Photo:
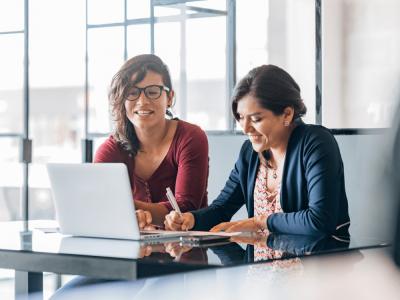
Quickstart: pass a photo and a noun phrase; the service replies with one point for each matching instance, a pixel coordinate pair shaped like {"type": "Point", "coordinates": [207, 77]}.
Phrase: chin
{"type": "Point", "coordinates": [259, 148]}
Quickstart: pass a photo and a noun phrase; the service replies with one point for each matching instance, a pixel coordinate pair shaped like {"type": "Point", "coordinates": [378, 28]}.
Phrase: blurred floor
{"type": "Point", "coordinates": [7, 288]}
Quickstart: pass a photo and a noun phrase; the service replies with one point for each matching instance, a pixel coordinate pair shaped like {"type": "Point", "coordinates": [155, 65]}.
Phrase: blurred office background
{"type": "Point", "coordinates": [360, 78]}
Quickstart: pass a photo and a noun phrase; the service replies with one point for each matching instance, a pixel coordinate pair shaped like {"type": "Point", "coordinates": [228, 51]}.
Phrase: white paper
{"type": "Point", "coordinates": [207, 233]}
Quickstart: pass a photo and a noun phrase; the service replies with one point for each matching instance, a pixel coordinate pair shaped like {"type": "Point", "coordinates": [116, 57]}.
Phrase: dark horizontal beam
{"type": "Point", "coordinates": [335, 131]}
{"type": "Point", "coordinates": [359, 131]}
{"type": "Point", "coordinates": [224, 132]}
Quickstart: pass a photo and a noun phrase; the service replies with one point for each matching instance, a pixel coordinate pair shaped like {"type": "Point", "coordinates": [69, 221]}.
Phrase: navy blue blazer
{"type": "Point", "coordinates": [313, 196]}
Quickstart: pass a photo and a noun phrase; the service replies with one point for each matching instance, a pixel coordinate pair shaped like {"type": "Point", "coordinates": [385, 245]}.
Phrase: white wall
{"type": "Point", "coordinates": [363, 158]}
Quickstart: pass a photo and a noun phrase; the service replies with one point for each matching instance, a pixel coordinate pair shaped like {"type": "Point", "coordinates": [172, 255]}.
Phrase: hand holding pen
{"type": "Point", "coordinates": [173, 222]}
{"type": "Point", "coordinates": [177, 215]}
{"type": "Point", "coordinates": [174, 205]}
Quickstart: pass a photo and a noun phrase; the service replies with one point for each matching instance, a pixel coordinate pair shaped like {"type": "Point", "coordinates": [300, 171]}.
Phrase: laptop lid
{"type": "Point", "coordinates": [94, 200]}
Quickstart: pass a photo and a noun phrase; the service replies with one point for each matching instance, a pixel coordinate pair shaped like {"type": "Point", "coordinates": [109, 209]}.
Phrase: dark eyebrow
{"type": "Point", "coordinates": [254, 114]}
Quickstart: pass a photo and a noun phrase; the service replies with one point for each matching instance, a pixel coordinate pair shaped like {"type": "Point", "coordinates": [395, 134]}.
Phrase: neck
{"type": "Point", "coordinates": [152, 137]}
{"type": "Point", "coordinates": [279, 150]}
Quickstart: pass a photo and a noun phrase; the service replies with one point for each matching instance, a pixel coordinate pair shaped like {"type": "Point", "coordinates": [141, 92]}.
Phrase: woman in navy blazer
{"type": "Point", "coordinates": [303, 161]}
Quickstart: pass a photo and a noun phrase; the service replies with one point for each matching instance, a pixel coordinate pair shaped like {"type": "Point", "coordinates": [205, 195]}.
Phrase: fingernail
{"type": "Point", "coordinates": [148, 221]}
{"type": "Point", "coordinates": [183, 227]}
{"type": "Point", "coordinates": [142, 224]}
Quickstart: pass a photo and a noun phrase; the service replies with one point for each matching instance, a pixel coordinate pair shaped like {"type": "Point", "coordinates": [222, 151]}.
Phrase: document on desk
{"type": "Point", "coordinates": [208, 233]}
{"type": "Point", "coordinates": [199, 233]}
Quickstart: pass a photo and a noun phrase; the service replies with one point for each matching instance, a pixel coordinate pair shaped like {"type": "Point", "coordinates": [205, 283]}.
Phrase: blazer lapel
{"type": "Point", "coordinates": [251, 181]}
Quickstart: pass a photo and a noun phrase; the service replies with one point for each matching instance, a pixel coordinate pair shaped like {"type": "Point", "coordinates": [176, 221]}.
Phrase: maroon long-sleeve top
{"type": "Point", "coordinates": [184, 169]}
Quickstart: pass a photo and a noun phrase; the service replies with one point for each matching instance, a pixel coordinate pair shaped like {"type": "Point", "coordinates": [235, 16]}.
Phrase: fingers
{"type": "Point", "coordinates": [222, 226]}
{"type": "Point", "coordinates": [148, 217]}
{"type": "Point", "coordinates": [141, 218]}
{"type": "Point", "coordinates": [144, 219]}
{"type": "Point", "coordinates": [188, 221]}
{"type": "Point", "coordinates": [255, 239]}
{"type": "Point", "coordinates": [145, 251]}
{"type": "Point", "coordinates": [149, 227]}
{"type": "Point", "coordinates": [234, 228]}
{"type": "Point", "coordinates": [173, 249]}
{"type": "Point", "coordinates": [175, 217]}
{"type": "Point", "coordinates": [149, 249]}
{"type": "Point", "coordinates": [170, 224]}
{"type": "Point", "coordinates": [245, 225]}
{"type": "Point", "coordinates": [167, 228]}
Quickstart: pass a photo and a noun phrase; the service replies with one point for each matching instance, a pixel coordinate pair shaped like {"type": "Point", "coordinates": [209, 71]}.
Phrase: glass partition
{"type": "Point", "coordinates": [361, 63]}
{"type": "Point", "coordinates": [57, 78]}
{"type": "Point", "coordinates": [11, 83]}
{"type": "Point", "coordinates": [10, 179]}
{"type": "Point", "coordinates": [106, 56]}
{"type": "Point", "coordinates": [11, 15]}
{"type": "Point", "coordinates": [105, 11]}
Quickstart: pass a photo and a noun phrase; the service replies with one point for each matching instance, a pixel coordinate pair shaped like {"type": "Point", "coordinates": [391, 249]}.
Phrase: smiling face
{"type": "Point", "coordinates": [145, 112]}
{"type": "Point", "coordinates": [265, 129]}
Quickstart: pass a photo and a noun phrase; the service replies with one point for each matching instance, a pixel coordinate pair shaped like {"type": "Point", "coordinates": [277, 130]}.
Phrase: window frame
{"type": "Point", "coordinates": [230, 13]}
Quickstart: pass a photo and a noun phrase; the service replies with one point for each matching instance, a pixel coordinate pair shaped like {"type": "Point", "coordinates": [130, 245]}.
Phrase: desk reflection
{"type": "Point", "coordinates": [272, 262]}
{"type": "Point", "coordinates": [258, 248]}
{"type": "Point", "coordinates": [165, 250]}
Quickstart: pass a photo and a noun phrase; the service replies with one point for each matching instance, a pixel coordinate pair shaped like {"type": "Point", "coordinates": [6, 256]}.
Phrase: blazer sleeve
{"type": "Point", "coordinates": [323, 170]}
{"type": "Point", "coordinates": [229, 201]}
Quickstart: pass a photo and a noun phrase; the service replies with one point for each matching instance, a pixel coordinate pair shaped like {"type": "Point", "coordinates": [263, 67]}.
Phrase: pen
{"type": "Point", "coordinates": [178, 257]}
{"type": "Point", "coordinates": [174, 204]}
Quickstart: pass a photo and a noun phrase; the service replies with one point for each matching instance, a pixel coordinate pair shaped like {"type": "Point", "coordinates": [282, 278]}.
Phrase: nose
{"type": "Point", "coordinates": [142, 100]}
{"type": "Point", "coordinates": [246, 126]}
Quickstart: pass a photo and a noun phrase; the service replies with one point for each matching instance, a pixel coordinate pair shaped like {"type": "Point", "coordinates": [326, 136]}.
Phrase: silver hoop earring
{"type": "Point", "coordinates": [287, 123]}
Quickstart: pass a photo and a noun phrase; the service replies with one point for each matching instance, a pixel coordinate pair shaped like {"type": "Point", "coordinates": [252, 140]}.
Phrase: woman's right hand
{"type": "Point", "coordinates": [144, 220]}
{"type": "Point", "coordinates": [174, 223]}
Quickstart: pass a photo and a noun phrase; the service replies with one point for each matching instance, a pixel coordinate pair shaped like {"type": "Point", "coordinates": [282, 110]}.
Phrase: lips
{"type": "Point", "coordinates": [254, 138]}
{"type": "Point", "coordinates": [144, 112]}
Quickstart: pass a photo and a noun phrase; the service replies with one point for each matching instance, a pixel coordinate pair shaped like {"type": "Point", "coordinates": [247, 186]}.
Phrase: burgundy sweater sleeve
{"type": "Point", "coordinates": [107, 152]}
{"type": "Point", "coordinates": [191, 181]}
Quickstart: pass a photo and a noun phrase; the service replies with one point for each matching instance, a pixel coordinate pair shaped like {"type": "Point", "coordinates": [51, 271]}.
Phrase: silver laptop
{"type": "Point", "coordinates": [95, 200]}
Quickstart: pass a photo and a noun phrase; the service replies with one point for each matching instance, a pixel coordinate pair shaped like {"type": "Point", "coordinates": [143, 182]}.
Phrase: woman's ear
{"type": "Point", "coordinates": [288, 113]}
{"type": "Point", "coordinates": [171, 98]}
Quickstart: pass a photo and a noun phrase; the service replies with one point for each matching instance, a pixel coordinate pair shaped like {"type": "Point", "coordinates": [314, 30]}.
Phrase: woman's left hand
{"type": "Point", "coordinates": [252, 224]}
{"type": "Point", "coordinates": [144, 220]}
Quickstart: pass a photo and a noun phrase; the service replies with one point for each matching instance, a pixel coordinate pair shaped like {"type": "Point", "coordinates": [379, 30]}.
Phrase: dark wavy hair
{"type": "Point", "coordinates": [120, 86]}
{"type": "Point", "coordinates": [274, 89]}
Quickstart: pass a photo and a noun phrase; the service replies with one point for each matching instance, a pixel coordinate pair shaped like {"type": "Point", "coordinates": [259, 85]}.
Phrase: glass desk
{"type": "Point", "coordinates": [31, 252]}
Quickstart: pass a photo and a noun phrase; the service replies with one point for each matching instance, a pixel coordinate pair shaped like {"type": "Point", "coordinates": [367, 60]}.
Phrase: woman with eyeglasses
{"type": "Point", "coordinates": [159, 151]}
{"type": "Point", "coordinates": [289, 174]}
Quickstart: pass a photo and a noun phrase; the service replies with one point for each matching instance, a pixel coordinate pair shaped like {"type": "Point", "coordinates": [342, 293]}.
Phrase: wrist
{"type": "Point", "coordinates": [261, 222]}
{"type": "Point", "coordinates": [138, 204]}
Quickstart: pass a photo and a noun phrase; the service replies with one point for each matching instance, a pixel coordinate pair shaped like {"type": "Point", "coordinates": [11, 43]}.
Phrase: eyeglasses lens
{"type": "Point", "coordinates": [153, 92]}
{"type": "Point", "coordinates": [134, 94]}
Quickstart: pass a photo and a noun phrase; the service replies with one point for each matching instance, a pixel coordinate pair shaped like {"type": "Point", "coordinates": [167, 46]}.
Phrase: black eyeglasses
{"type": "Point", "coordinates": [151, 92]}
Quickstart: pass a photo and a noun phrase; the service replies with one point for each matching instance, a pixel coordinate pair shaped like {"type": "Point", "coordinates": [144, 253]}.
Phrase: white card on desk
{"type": "Point", "coordinates": [205, 233]}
